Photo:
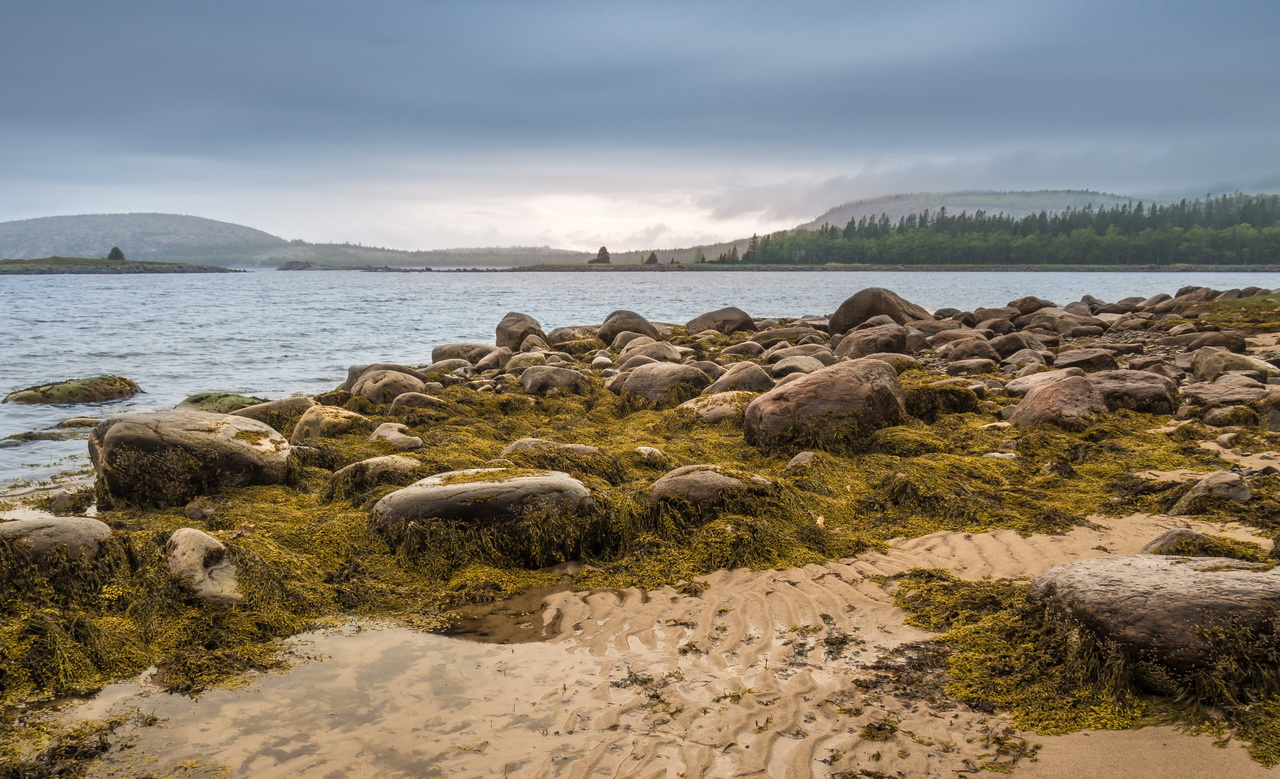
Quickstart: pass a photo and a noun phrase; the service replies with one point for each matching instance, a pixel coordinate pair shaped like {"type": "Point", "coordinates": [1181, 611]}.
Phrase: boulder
{"type": "Point", "coordinates": [797, 364]}
{"type": "Point", "coordinates": [1025, 384]}
{"type": "Point", "coordinates": [525, 360]}
{"type": "Point", "coordinates": [626, 321]}
{"type": "Point", "coordinates": [716, 407]}
{"type": "Point", "coordinates": [836, 406]}
{"type": "Point", "coordinates": [703, 485]}
{"type": "Point", "coordinates": [1006, 345]}
{"type": "Point", "coordinates": [744, 349]}
{"type": "Point", "coordinates": [1210, 362]}
{"type": "Point", "coordinates": [659, 350]}
{"type": "Point", "coordinates": [383, 386]}
{"type": "Point", "coordinates": [1204, 394]}
{"type": "Point", "coordinates": [875, 340]}
{"type": "Point", "coordinates": [724, 320]}
{"type": "Point", "coordinates": [870, 302]}
{"type": "Point", "coordinates": [479, 496]}
{"type": "Point", "coordinates": [514, 328]}
{"type": "Point", "coordinates": [90, 390]}
{"type": "Point", "coordinates": [397, 435]}
{"type": "Point", "coordinates": [276, 413]}
{"type": "Point", "coordinates": [200, 561]}
{"type": "Point", "coordinates": [971, 349]}
{"type": "Point", "coordinates": [745, 376]}
{"type": "Point", "coordinates": [1087, 360]}
{"type": "Point", "coordinates": [543, 445]}
{"type": "Point", "coordinates": [79, 536]}
{"type": "Point", "coordinates": [1219, 485]}
{"type": "Point", "coordinates": [661, 382]}
{"type": "Point", "coordinates": [794, 334]}
{"type": "Point", "coordinates": [541, 379]}
{"type": "Point", "coordinates": [471, 352]}
{"type": "Point", "coordinates": [327, 422]}
{"type": "Point", "coordinates": [219, 402]}
{"type": "Point", "coordinates": [356, 371]}
{"type": "Point", "coordinates": [496, 360]}
{"type": "Point", "coordinates": [1160, 608]}
{"type": "Point", "coordinates": [409, 401]}
{"type": "Point", "coordinates": [360, 477]}
{"type": "Point", "coordinates": [1137, 390]}
{"type": "Point", "coordinates": [820, 352]}
{"type": "Point", "coordinates": [1071, 402]}
{"type": "Point", "coordinates": [1029, 304]}
{"type": "Point", "coordinates": [166, 458]}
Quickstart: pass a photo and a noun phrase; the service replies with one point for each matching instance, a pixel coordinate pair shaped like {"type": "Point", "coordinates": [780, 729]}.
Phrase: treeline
{"type": "Point", "coordinates": [1228, 230]}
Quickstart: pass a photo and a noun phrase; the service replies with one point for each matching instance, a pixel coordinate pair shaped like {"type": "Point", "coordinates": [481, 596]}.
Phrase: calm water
{"type": "Point", "coordinates": [273, 334]}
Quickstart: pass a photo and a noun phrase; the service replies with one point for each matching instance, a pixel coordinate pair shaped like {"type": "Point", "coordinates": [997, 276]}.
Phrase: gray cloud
{"type": "Point", "coordinates": [728, 112]}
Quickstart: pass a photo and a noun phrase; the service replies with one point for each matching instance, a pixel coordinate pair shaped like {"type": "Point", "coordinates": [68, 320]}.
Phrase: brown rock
{"type": "Point", "coordinates": [836, 406]}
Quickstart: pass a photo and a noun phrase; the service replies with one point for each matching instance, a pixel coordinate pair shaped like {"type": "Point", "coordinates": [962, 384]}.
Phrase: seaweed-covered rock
{"type": "Point", "coordinates": [327, 422]}
{"type": "Point", "coordinates": [383, 386]}
{"type": "Point", "coordinates": [625, 322]}
{"type": "Point", "coordinates": [724, 320]}
{"type": "Point", "coordinates": [1137, 390]}
{"type": "Point", "coordinates": [716, 407]}
{"type": "Point", "coordinates": [1072, 403]}
{"type": "Point", "coordinates": [471, 352]}
{"type": "Point", "coordinates": [836, 406]}
{"type": "Point", "coordinates": [360, 477]}
{"type": "Point", "coordinates": [89, 390]}
{"type": "Point", "coordinates": [479, 495]}
{"type": "Point", "coordinates": [219, 402]}
{"type": "Point", "coordinates": [661, 382]}
{"type": "Point", "coordinates": [200, 561]}
{"type": "Point", "coordinates": [276, 413]}
{"type": "Point", "coordinates": [703, 485]}
{"type": "Point", "coordinates": [410, 401]}
{"type": "Point", "coordinates": [870, 302]}
{"type": "Point", "coordinates": [543, 445]}
{"type": "Point", "coordinates": [1217, 486]}
{"type": "Point", "coordinates": [356, 371]}
{"type": "Point", "coordinates": [77, 535]}
{"type": "Point", "coordinates": [166, 458]}
{"type": "Point", "coordinates": [1204, 394]}
{"type": "Point", "coordinates": [514, 328]}
{"type": "Point", "coordinates": [1159, 608]}
{"type": "Point", "coordinates": [397, 435]}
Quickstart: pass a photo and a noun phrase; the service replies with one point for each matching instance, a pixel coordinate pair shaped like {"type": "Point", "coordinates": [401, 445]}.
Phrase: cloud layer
{"type": "Point", "coordinates": [435, 123]}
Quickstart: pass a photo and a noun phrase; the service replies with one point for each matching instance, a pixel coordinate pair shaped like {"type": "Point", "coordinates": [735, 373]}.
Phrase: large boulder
{"type": "Point", "coordinates": [383, 386]}
{"type": "Point", "coordinates": [481, 498]}
{"type": "Point", "coordinates": [327, 422]}
{"type": "Point", "coordinates": [276, 413]}
{"type": "Point", "coordinates": [200, 561]}
{"type": "Point", "coordinates": [356, 371]}
{"type": "Point", "coordinates": [1137, 390]}
{"type": "Point", "coordinates": [723, 320]}
{"type": "Point", "coordinates": [219, 402]}
{"type": "Point", "coordinates": [1217, 486]}
{"type": "Point", "coordinates": [360, 477]}
{"type": "Point", "coordinates": [665, 383]}
{"type": "Point", "coordinates": [1025, 384]}
{"type": "Point", "coordinates": [716, 407]}
{"type": "Point", "coordinates": [1072, 403]}
{"type": "Point", "coordinates": [90, 390]}
{"type": "Point", "coordinates": [166, 458]}
{"type": "Point", "coordinates": [871, 302]}
{"type": "Point", "coordinates": [514, 328]}
{"type": "Point", "coordinates": [873, 340]}
{"type": "Point", "coordinates": [1209, 363]}
{"type": "Point", "coordinates": [1161, 608]}
{"type": "Point", "coordinates": [744, 376]}
{"type": "Point", "coordinates": [471, 352]}
{"type": "Point", "coordinates": [79, 536]}
{"type": "Point", "coordinates": [541, 379]}
{"type": "Point", "coordinates": [704, 485]}
{"type": "Point", "coordinates": [1087, 360]}
{"type": "Point", "coordinates": [625, 322]}
{"type": "Point", "coordinates": [837, 406]}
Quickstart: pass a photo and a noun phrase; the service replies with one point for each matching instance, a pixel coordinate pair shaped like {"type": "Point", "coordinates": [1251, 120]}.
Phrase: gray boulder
{"type": "Point", "coordinates": [716, 407]}
{"type": "Point", "coordinates": [704, 485]}
{"type": "Point", "coordinates": [871, 302]}
{"type": "Point", "coordinates": [661, 382]}
{"type": "Point", "coordinates": [626, 321]}
{"type": "Point", "coordinates": [166, 458]}
{"type": "Point", "coordinates": [79, 536]}
{"type": "Point", "coordinates": [836, 406]}
{"type": "Point", "coordinates": [1159, 608]}
{"type": "Point", "coordinates": [383, 386]}
{"type": "Point", "coordinates": [327, 422]}
{"type": "Point", "coordinates": [884, 338]}
{"type": "Point", "coordinates": [360, 477]}
{"type": "Point", "coordinates": [471, 352]}
{"type": "Point", "coordinates": [397, 435]}
{"type": "Point", "coordinates": [541, 379]}
{"type": "Point", "coordinates": [1071, 403]}
{"type": "Point", "coordinates": [724, 320]}
{"type": "Point", "coordinates": [200, 561]}
{"type": "Point", "coordinates": [89, 390]}
{"type": "Point", "coordinates": [1087, 360]}
{"type": "Point", "coordinates": [514, 328]}
{"type": "Point", "coordinates": [1219, 485]}
{"type": "Point", "coordinates": [1137, 390]}
{"type": "Point", "coordinates": [746, 376]}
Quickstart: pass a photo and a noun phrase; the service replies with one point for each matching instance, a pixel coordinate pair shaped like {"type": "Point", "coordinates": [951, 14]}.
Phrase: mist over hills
{"type": "Point", "coordinates": [193, 239]}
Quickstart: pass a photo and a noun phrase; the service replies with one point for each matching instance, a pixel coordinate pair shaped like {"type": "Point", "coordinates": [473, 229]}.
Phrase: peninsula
{"type": "Point", "coordinates": [64, 265]}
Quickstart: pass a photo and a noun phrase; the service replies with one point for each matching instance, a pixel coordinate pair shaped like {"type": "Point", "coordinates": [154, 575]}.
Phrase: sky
{"type": "Point", "coordinates": [428, 124]}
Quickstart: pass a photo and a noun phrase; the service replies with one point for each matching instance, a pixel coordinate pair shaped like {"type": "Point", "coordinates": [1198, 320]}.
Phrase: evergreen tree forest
{"type": "Point", "coordinates": [1228, 230]}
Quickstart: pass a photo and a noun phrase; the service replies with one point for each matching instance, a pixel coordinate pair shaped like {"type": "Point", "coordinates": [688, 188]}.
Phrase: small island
{"type": "Point", "coordinates": [64, 265]}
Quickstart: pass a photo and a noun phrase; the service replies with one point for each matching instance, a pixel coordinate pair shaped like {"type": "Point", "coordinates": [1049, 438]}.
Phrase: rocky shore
{"type": "Point", "coordinates": [1121, 452]}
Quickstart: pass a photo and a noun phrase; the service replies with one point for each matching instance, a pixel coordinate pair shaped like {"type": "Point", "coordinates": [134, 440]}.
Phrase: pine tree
{"type": "Point", "coordinates": [115, 253]}
{"type": "Point", "coordinates": [602, 258]}
{"type": "Point", "coordinates": [652, 259]}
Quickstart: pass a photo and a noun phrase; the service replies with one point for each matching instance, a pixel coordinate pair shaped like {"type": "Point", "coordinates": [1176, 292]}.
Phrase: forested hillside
{"type": "Point", "coordinates": [1015, 204]}
{"type": "Point", "coordinates": [1228, 230]}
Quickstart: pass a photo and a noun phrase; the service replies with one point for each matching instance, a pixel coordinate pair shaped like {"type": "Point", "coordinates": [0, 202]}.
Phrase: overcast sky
{"type": "Point", "coordinates": [423, 124]}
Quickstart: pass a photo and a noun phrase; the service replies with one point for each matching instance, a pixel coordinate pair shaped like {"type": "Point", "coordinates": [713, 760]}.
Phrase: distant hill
{"type": "Point", "coordinates": [193, 239]}
{"type": "Point", "coordinates": [1015, 204]}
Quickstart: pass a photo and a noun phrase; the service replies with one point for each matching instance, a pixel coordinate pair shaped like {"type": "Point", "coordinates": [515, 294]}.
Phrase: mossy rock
{"type": "Point", "coordinates": [220, 402]}
{"type": "Point", "coordinates": [90, 390]}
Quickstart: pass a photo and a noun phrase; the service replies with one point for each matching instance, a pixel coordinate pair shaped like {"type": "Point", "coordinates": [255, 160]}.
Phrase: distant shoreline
{"type": "Point", "coordinates": [711, 267]}
{"type": "Point", "coordinates": [59, 266]}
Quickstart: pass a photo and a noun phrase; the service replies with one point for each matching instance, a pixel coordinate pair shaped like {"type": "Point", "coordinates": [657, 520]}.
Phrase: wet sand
{"type": "Point", "coordinates": [753, 677]}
